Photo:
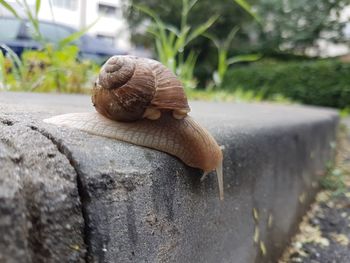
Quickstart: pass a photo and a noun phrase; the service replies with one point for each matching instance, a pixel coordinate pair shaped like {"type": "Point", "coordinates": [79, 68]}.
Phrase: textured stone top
{"type": "Point", "coordinates": [211, 114]}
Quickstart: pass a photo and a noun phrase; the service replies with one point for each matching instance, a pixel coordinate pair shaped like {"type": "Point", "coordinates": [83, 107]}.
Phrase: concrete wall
{"type": "Point", "coordinates": [93, 199]}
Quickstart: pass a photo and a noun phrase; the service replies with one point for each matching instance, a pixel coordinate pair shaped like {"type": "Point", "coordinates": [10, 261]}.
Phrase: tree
{"type": "Point", "coordinates": [297, 25]}
{"type": "Point", "coordinates": [290, 27]}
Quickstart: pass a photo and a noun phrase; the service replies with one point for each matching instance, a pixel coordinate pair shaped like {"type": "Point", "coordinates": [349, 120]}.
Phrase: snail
{"type": "Point", "coordinates": [140, 101]}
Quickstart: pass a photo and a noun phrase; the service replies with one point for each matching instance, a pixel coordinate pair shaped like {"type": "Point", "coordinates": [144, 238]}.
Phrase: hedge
{"type": "Point", "coordinates": [322, 82]}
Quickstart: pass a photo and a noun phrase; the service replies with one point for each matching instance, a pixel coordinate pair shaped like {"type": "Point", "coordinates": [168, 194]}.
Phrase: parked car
{"type": "Point", "coordinates": [18, 35]}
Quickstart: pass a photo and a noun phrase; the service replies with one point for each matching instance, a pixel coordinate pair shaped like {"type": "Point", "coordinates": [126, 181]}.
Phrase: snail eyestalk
{"type": "Point", "coordinates": [220, 176]}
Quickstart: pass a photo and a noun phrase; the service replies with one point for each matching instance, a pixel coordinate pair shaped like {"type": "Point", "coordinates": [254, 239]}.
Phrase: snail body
{"type": "Point", "coordinates": [140, 101]}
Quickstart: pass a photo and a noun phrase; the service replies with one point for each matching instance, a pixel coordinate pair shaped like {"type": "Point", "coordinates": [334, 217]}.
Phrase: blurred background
{"type": "Point", "coordinates": [290, 51]}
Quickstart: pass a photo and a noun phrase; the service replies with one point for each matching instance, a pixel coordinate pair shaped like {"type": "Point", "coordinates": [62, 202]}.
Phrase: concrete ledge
{"type": "Point", "coordinates": [131, 204]}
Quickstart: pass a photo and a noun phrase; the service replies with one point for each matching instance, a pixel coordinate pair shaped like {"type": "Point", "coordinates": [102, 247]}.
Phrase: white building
{"type": "Point", "coordinates": [110, 24]}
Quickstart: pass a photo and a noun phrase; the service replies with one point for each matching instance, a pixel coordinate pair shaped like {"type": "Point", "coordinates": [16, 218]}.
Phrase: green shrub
{"type": "Point", "coordinates": [323, 82]}
{"type": "Point", "coordinates": [51, 70]}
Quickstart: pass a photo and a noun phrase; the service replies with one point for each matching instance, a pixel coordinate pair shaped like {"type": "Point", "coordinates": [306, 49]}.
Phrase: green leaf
{"type": "Point", "coordinates": [76, 35]}
{"type": "Point", "coordinates": [244, 58]}
{"type": "Point", "coordinates": [33, 20]}
{"type": "Point", "coordinates": [222, 65]}
{"type": "Point", "coordinates": [37, 7]}
{"type": "Point", "coordinates": [186, 8]}
{"type": "Point", "coordinates": [172, 29]}
{"type": "Point", "coordinates": [18, 67]}
{"type": "Point", "coordinates": [191, 4]}
{"type": "Point", "coordinates": [160, 51]}
{"type": "Point", "coordinates": [181, 40]}
{"type": "Point", "coordinates": [12, 55]}
{"type": "Point", "coordinates": [230, 37]}
{"type": "Point", "coordinates": [149, 12]}
{"type": "Point", "coordinates": [153, 29]}
{"type": "Point", "coordinates": [213, 38]}
{"type": "Point", "coordinates": [171, 39]}
{"type": "Point", "coordinates": [202, 28]}
{"type": "Point", "coordinates": [247, 7]}
{"type": "Point", "coordinates": [9, 8]}
{"type": "Point", "coordinates": [190, 63]}
{"type": "Point", "coordinates": [154, 16]}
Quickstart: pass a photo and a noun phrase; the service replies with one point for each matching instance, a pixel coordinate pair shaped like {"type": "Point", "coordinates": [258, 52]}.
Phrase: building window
{"type": "Point", "coordinates": [107, 10]}
{"type": "Point", "coordinates": [67, 4]}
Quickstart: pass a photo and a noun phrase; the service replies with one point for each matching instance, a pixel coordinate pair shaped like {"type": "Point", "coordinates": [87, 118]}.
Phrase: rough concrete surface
{"type": "Point", "coordinates": [141, 205]}
{"type": "Point", "coordinates": [40, 211]}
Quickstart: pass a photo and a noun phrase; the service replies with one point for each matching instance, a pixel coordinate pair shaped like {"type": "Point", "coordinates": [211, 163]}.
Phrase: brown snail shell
{"type": "Point", "coordinates": [140, 101]}
{"type": "Point", "coordinates": [129, 88]}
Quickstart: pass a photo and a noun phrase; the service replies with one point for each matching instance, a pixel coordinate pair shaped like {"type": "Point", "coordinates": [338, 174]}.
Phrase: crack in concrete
{"type": "Point", "coordinates": [83, 195]}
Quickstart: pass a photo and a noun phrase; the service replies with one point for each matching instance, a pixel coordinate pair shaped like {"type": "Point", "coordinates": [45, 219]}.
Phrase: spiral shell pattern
{"type": "Point", "coordinates": [129, 85]}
